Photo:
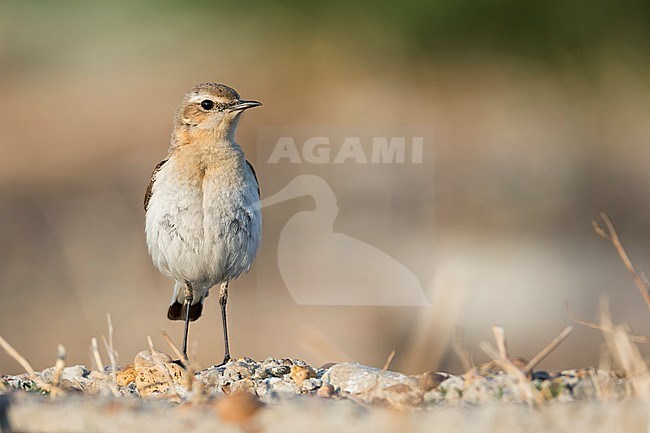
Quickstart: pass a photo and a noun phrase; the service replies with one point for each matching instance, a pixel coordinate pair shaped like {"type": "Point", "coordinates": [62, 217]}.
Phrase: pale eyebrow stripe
{"type": "Point", "coordinates": [201, 96]}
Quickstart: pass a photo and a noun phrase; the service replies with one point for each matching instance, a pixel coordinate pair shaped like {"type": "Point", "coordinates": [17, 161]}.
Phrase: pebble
{"type": "Point", "coordinates": [372, 385]}
{"type": "Point", "coordinates": [156, 375]}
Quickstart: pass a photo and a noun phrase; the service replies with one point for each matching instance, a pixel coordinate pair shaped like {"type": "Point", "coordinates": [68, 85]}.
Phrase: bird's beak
{"type": "Point", "coordinates": [244, 105]}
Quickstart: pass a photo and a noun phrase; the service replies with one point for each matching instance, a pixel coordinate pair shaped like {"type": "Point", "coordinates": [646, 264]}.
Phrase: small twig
{"type": "Point", "coordinates": [112, 356]}
{"type": "Point", "coordinates": [612, 237]}
{"type": "Point", "coordinates": [548, 349]}
{"type": "Point", "coordinates": [174, 348]}
{"type": "Point", "coordinates": [59, 365]}
{"type": "Point", "coordinates": [163, 368]}
{"type": "Point", "coordinates": [25, 364]}
{"type": "Point", "coordinates": [525, 388]}
{"type": "Point", "coordinates": [462, 352]}
{"type": "Point", "coordinates": [97, 355]}
{"type": "Point", "coordinates": [191, 384]}
{"type": "Point", "coordinates": [388, 360]}
{"type": "Point", "coordinates": [625, 353]}
{"type": "Point", "coordinates": [643, 339]}
{"type": "Point", "coordinates": [151, 347]}
{"type": "Point", "coordinates": [573, 318]}
{"type": "Point", "coordinates": [500, 337]}
{"type": "Point", "coordinates": [598, 387]}
{"type": "Point", "coordinates": [19, 358]}
{"type": "Point", "coordinates": [189, 371]}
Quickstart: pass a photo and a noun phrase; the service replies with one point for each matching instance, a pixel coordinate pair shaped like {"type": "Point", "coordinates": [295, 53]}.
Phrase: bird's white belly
{"type": "Point", "coordinates": [204, 231]}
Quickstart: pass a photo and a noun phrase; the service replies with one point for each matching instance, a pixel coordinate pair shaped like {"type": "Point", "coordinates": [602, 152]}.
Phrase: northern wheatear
{"type": "Point", "coordinates": [202, 205]}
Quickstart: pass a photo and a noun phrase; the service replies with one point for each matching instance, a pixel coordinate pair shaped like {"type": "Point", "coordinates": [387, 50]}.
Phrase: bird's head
{"type": "Point", "coordinates": [210, 108]}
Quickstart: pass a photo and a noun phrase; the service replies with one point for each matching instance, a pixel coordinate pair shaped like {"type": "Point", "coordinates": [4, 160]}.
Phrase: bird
{"type": "Point", "coordinates": [203, 219]}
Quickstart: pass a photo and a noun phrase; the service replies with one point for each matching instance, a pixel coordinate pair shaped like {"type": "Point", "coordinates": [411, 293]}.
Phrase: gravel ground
{"type": "Point", "coordinates": [155, 394]}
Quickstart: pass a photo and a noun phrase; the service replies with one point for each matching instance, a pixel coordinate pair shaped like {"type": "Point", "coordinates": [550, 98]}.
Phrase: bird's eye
{"type": "Point", "coordinates": [206, 104]}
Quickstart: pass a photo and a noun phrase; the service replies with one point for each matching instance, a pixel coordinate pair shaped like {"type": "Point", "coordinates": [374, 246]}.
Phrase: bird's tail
{"type": "Point", "coordinates": [178, 311]}
{"type": "Point", "coordinates": [178, 308]}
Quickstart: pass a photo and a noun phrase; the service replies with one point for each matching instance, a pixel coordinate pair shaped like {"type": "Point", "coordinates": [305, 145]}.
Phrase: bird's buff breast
{"type": "Point", "coordinates": [203, 226]}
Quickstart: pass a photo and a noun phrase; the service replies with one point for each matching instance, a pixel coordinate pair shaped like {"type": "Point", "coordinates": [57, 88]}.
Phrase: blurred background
{"type": "Point", "coordinates": [540, 113]}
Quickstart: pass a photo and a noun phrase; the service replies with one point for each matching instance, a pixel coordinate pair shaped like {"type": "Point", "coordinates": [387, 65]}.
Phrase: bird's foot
{"type": "Point", "coordinates": [225, 361]}
{"type": "Point", "coordinates": [181, 363]}
{"type": "Point", "coordinates": [184, 362]}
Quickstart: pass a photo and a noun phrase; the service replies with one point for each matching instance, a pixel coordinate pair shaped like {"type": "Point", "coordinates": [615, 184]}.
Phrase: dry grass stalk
{"type": "Point", "coordinates": [112, 386]}
{"type": "Point", "coordinates": [604, 358]}
{"type": "Point", "coordinates": [625, 353]}
{"type": "Point", "coordinates": [429, 341]}
{"type": "Point", "coordinates": [174, 348]}
{"type": "Point", "coordinates": [388, 360]}
{"type": "Point", "coordinates": [59, 365]}
{"type": "Point", "coordinates": [51, 388]}
{"type": "Point", "coordinates": [500, 337]}
{"type": "Point", "coordinates": [527, 391]}
{"type": "Point", "coordinates": [151, 346]}
{"type": "Point", "coordinates": [110, 349]}
{"type": "Point", "coordinates": [163, 368]}
{"type": "Point", "coordinates": [19, 358]}
{"type": "Point", "coordinates": [111, 358]}
{"type": "Point", "coordinates": [462, 351]}
{"type": "Point", "coordinates": [598, 387]}
{"type": "Point", "coordinates": [611, 236]}
{"type": "Point", "coordinates": [643, 339]}
{"type": "Point", "coordinates": [547, 350]}
{"type": "Point", "coordinates": [189, 368]}
{"type": "Point", "coordinates": [607, 387]}
{"type": "Point", "coordinates": [97, 355]}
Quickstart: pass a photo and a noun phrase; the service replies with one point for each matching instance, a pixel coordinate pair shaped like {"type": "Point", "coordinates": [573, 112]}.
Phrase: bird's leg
{"type": "Point", "coordinates": [189, 297]}
{"type": "Point", "coordinates": [223, 300]}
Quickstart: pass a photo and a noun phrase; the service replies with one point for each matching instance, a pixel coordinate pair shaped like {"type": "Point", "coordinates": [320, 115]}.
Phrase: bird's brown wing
{"type": "Point", "coordinates": [147, 195]}
{"type": "Point", "coordinates": [255, 176]}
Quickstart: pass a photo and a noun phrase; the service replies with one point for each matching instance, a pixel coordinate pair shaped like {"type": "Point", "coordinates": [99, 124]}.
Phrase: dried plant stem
{"type": "Point", "coordinates": [500, 356]}
{"type": "Point", "coordinates": [598, 387]}
{"type": "Point", "coordinates": [548, 349]}
{"type": "Point", "coordinates": [26, 366]}
{"type": "Point", "coordinates": [174, 348]}
{"type": "Point", "coordinates": [163, 368]}
{"type": "Point", "coordinates": [462, 352]}
{"type": "Point", "coordinates": [110, 349]}
{"type": "Point", "coordinates": [19, 358]}
{"type": "Point", "coordinates": [189, 370]}
{"type": "Point", "coordinates": [59, 365]}
{"type": "Point", "coordinates": [611, 236]}
{"type": "Point", "coordinates": [500, 337]}
{"type": "Point", "coordinates": [111, 357]}
{"type": "Point", "coordinates": [527, 391]}
{"type": "Point", "coordinates": [643, 339]}
{"type": "Point", "coordinates": [150, 342]}
{"type": "Point", "coordinates": [625, 353]}
{"type": "Point", "coordinates": [389, 360]}
{"type": "Point", "coordinates": [97, 355]}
